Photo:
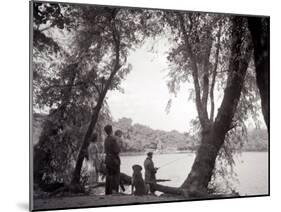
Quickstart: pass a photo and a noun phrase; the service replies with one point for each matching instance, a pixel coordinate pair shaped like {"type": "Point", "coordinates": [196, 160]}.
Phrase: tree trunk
{"type": "Point", "coordinates": [79, 162]}
{"type": "Point", "coordinates": [86, 141]}
{"type": "Point", "coordinates": [259, 28]}
{"type": "Point", "coordinates": [213, 136]}
{"type": "Point", "coordinates": [168, 189]}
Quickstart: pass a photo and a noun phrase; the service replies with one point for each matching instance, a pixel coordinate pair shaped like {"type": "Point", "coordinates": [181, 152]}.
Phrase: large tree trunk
{"type": "Point", "coordinates": [259, 28]}
{"type": "Point", "coordinates": [213, 136]}
{"type": "Point", "coordinates": [86, 141]}
{"type": "Point", "coordinates": [82, 153]}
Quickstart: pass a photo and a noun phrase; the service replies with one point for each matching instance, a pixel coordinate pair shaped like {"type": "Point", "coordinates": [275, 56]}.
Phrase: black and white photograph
{"type": "Point", "coordinates": [137, 105]}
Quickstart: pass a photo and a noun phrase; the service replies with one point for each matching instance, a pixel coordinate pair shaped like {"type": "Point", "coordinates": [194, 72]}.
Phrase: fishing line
{"type": "Point", "coordinates": [171, 162]}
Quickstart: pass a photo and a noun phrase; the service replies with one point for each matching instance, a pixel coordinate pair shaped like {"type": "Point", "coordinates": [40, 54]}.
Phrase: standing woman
{"type": "Point", "coordinates": [94, 156]}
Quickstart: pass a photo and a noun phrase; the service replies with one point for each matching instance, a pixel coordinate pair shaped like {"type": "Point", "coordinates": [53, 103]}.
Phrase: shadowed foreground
{"type": "Point", "coordinates": [97, 200]}
{"type": "Point", "coordinates": [110, 200]}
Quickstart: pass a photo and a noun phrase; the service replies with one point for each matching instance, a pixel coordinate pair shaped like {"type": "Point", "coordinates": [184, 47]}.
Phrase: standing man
{"type": "Point", "coordinates": [150, 172]}
{"type": "Point", "coordinates": [118, 136]}
{"type": "Point", "coordinates": [112, 162]}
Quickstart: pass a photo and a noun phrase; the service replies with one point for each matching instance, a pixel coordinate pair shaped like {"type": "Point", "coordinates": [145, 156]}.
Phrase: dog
{"type": "Point", "coordinates": [138, 185]}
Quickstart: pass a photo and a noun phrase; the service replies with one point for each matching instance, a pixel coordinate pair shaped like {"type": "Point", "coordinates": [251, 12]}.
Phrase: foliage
{"type": "Point", "coordinates": [139, 138]}
{"type": "Point", "coordinates": [237, 141]}
{"type": "Point", "coordinates": [201, 54]}
{"type": "Point", "coordinates": [71, 71]}
{"type": "Point", "coordinates": [257, 140]}
{"type": "Point", "coordinates": [79, 53]}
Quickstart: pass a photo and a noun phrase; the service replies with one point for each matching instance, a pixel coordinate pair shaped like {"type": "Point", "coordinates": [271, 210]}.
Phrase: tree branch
{"type": "Point", "coordinates": [97, 88]}
{"type": "Point", "coordinates": [238, 65]}
{"type": "Point", "coordinates": [215, 73]}
{"type": "Point", "coordinates": [63, 86]}
{"type": "Point", "coordinates": [95, 115]}
{"type": "Point", "coordinates": [194, 70]}
{"type": "Point", "coordinates": [205, 89]}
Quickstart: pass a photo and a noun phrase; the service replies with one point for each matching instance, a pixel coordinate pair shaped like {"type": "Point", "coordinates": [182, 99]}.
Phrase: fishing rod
{"type": "Point", "coordinates": [171, 162]}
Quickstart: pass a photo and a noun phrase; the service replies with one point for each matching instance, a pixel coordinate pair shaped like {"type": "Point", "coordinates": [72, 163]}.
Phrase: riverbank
{"type": "Point", "coordinates": [99, 200]}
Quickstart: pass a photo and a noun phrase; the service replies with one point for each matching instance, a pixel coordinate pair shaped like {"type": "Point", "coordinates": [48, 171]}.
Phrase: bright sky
{"type": "Point", "coordinates": [146, 92]}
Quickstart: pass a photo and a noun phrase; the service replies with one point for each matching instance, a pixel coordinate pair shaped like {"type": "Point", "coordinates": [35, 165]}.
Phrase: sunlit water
{"type": "Point", "coordinates": [251, 169]}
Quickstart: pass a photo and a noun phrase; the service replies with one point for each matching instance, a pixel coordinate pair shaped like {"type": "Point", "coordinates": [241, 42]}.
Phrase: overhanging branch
{"type": "Point", "coordinates": [214, 75]}
{"type": "Point", "coordinates": [194, 68]}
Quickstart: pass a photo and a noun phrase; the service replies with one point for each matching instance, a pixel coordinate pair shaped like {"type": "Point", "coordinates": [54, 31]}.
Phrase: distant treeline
{"type": "Point", "coordinates": [138, 138]}
{"type": "Point", "coordinates": [257, 140]}
{"type": "Point", "coordinates": [141, 138]}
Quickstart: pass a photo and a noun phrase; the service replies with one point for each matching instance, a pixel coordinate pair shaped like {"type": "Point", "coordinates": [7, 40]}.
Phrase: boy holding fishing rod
{"type": "Point", "coordinates": [150, 172]}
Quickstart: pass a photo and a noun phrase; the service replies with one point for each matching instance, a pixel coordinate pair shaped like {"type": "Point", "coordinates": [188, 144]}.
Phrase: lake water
{"type": "Point", "coordinates": [251, 169]}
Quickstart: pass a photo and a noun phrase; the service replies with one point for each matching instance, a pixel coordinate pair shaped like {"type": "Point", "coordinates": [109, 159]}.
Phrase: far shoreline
{"type": "Point", "coordinates": [179, 152]}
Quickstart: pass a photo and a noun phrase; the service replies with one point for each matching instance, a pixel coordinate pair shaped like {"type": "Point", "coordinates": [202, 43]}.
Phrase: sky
{"type": "Point", "coordinates": [146, 93]}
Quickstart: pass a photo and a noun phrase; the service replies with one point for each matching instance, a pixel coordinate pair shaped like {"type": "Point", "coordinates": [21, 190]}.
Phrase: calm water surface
{"type": "Point", "coordinates": [251, 169]}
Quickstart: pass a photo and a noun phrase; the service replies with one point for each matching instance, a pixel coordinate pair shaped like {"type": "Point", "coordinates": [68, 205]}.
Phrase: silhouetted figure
{"type": "Point", "coordinates": [112, 162]}
{"type": "Point", "coordinates": [118, 136]}
{"type": "Point", "coordinates": [93, 155]}
{"type": "Point", "coordinates": [150, 172]}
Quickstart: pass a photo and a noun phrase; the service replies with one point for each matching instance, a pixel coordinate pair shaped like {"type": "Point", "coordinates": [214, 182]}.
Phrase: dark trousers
{"type": "Point", "coordinates": [112, 181]}
{"type": "Point", "coordinates": [151, 183]}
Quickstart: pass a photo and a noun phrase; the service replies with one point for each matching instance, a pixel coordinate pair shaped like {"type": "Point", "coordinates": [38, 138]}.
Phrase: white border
{"type": "Point", "coordinates": [14, 105]}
